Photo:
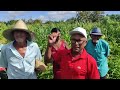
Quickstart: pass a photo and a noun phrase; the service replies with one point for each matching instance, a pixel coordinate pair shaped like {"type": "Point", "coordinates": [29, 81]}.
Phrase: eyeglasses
{"type": "Point", "coordinates": [78, 41]}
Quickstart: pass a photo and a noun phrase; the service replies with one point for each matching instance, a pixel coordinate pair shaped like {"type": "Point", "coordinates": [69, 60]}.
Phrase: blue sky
{"type": "Point", "coordinates": [42, 15]}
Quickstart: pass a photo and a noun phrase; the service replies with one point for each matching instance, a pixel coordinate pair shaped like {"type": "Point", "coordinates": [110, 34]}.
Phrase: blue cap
{"type": "Point", "coordinates": [96, 31]}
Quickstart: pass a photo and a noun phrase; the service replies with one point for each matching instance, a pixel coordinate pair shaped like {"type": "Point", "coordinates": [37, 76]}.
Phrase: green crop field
{"type": "Point", "coordinates": [110, 29]}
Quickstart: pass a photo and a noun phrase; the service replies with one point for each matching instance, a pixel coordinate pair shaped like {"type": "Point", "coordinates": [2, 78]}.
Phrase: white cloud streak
{"type": "Point", "coordinates": [58, 15]}
{"type": "Point", "coordinates": [11, 15]}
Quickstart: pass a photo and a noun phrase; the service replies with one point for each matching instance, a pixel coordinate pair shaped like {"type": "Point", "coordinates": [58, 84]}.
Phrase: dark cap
{"type": "Point", "coordinates": [96, 31]}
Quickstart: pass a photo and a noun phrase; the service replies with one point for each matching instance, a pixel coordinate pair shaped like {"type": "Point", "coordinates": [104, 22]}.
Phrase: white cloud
{"type": "Point", "coordinates": [57, 15]}
{"type": "Point", "coordinates": [61, 12]}
{"type": "Point", "coordinates": [44, 18]}
{"type": "Point", "coordinates": [16, 12]}
{"type": "Point", "coordinates": [51, 15]}
{"type": "Point", "coordinates": [11, 15]}
{"type": "Point", "coordinates": [60, 15]}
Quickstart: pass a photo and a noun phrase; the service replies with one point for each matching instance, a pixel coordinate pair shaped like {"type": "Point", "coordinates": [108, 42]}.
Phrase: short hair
{"type": "Point", "coordinates": [55, 30]}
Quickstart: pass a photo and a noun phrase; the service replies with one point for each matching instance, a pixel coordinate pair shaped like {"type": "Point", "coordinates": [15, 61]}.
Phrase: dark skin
{"type": "Point", "coordinates": [95, 38]}
{"type": "Point", "coordinates": [78, 42]}
{"type": "Point", "coordinates": [55, 41]}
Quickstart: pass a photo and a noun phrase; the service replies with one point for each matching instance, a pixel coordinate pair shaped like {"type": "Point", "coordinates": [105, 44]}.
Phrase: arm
{"type": "Point", "coordinates": [39, 65]}
{"type": "Point", "coordinates": [48, 55]}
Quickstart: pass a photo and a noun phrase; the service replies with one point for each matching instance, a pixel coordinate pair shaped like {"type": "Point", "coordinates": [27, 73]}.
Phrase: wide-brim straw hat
{"type": "Point", "coordinates": [21, 26]}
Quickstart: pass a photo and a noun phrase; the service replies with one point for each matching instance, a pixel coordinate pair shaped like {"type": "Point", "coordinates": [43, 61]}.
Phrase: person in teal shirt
{"type": "Point", "coordinates": [99, 49]}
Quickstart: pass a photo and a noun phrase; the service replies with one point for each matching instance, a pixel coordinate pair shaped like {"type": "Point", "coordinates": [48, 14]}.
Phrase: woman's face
{"type": "Point", "coordinates": [56, 34]}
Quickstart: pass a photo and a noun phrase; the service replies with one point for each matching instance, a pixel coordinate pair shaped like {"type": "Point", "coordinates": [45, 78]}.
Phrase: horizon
{"type": "Point", "coordinates": [42, 15]}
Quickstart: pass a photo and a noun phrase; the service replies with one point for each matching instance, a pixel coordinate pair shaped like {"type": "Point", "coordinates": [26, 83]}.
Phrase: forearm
{"type": "Point", "coordinates": [48, 55]}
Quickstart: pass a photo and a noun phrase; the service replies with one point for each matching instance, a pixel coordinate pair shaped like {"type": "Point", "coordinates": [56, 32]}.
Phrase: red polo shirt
{"type": "Point", "coordinates": [82, 66]}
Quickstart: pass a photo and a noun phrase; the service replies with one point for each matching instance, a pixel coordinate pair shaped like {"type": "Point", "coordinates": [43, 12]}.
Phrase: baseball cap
{"type": "Point", "coordinates": [79, 30]}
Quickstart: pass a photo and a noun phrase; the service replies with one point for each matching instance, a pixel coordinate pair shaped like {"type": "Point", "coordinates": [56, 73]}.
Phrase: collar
{"type": "Point", "coordinates": [28, 44]}
{"type": "Point", "coordinates": [12, 48]}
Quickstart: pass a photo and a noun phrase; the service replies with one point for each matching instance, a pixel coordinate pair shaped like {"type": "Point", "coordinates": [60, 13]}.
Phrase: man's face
{"type": "Point", "coordinates": [95, 38]}
{"type": "Point", "coordinates": [20, 36]}
{"type": "Point", "coordinates": [78, 42]}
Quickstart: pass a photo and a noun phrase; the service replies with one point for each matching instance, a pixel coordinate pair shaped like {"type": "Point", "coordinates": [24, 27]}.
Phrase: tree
{"type": "Point", "coordinates": [89, 16]}
{"type": "Point", "coordinates": [71, 20]}
{"type": "Point", "coordinates": [114, 17]}
{"type": "Point", "coordinates": [30, 21]}
{"type": "Point", "coordinates": [37, 21]}
{"type": "Point", "coordinates": [11, 22]}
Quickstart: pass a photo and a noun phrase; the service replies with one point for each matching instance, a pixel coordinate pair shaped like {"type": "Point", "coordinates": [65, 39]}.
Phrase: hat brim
{"type": "Point", "coordinates": [77, 32]}
{"type": "Point", "coordinates": [96, 34]}
{"type": "Point", "coordinates": [9, 36]}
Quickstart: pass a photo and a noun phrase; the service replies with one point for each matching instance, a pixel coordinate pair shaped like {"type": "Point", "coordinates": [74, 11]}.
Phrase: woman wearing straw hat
{"type": "Point", "coordinates": [21, 55]}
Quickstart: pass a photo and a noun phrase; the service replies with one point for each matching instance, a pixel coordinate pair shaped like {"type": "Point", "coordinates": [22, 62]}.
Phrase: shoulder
{"type": "Point", "coordinates": [89, 41]}
{"type": "Point", "coordinates": [91, 59]}
{"type": "Point", "coordinates": [65, 44]}
{"type": "Point", "coordinates": [63, 52]}
{"type": "Point", "coordinates": [5, 46]}
{"type": "Point", "coordinates": [104, 43]}
{"type": "Point", "coordinates": [63, 41]}
{"type": "Point", "coordinates": [33, 44]}
{"type": "Point", "coordinates": [1, 45]}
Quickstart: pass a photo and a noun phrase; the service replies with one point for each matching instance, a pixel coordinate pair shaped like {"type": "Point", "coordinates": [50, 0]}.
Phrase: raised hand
{"type": "Point", "coordinates": [51, 39]}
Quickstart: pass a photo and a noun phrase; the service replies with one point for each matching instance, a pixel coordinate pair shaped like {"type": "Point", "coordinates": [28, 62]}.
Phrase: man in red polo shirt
{"type": "Point", "coordinates": [76, 63]}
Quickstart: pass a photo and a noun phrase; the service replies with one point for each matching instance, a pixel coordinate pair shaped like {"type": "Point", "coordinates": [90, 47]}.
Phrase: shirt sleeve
{"type": "Point", "coordinates": [92, 69]}
{"type": "Point", "coordinates": [3, 59]}
{"type": "Point", "coordinates": [39, 55]}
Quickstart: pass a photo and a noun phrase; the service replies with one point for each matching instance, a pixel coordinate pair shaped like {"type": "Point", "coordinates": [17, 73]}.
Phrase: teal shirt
{"type": "Point", "coordinates": [100, 52]}
{"type": "Point", "coordinates": [19, 67]}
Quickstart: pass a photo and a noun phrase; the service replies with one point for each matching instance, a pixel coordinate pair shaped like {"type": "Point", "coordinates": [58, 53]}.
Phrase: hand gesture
{"type": "Point", "coordinates": [52, 39]}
